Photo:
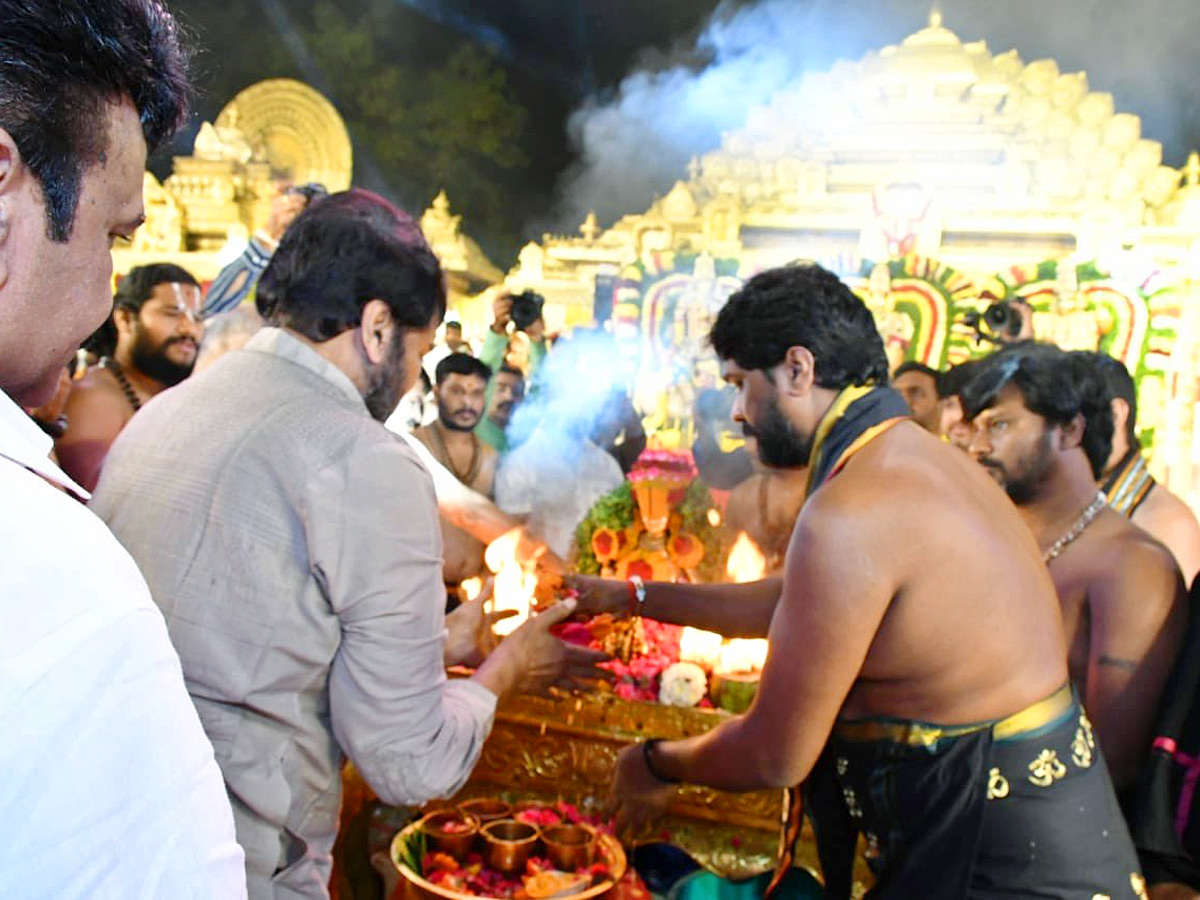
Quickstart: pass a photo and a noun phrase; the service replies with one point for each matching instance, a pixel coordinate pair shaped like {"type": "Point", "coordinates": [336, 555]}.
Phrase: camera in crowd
{"type": "Point", "coordinates": [310, 191]}
{"type": "Point", "coordinates": [1000, 323]}
{"type": "Point", "coordinates": [526, 309]}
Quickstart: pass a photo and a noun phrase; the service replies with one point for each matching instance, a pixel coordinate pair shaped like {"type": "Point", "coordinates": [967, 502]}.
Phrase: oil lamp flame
{"type": "Point", "coordinates": [471, 588]}
{"type": "Point", "coordinates": [741, 655]}
{"type": "Point", "coordinates": [746, 562]}
{"type": "Point", "coordinates": [513, 586]}
{"type": "Point", "coordinates": [700, 647]}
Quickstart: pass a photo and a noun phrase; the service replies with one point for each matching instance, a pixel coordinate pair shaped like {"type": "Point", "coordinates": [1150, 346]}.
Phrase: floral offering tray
{"type": "Point", "coordinates": [527, 853]}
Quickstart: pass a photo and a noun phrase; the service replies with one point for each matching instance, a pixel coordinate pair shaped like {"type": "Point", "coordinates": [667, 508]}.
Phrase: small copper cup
{"type": "Point", "coordinates": [570, 847]}
{"type": "Point", "coordinates": [507, 844]}
{"type": "Point", "coordinates": [486, 809]}
{"type": "Point", "coordinates": [451, 831]}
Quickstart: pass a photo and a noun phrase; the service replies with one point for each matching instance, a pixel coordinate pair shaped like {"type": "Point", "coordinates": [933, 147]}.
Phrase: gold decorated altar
{"type": "Point", "coordinates": [567, 747]}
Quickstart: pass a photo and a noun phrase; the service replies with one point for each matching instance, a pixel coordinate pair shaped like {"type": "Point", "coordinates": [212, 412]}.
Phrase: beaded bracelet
{"type": "Point", "coordinates": [648, 756]}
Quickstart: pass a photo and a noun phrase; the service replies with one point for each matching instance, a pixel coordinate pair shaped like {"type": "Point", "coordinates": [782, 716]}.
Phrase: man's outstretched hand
{"type": "Point", "coordinates": [637, 797]}
{"type": "Point", "coordinates": [596, 596]}
{"type": "Point", "coordinates": [532, 660]}
{"type": "Point", "coordinates": [469, 635]}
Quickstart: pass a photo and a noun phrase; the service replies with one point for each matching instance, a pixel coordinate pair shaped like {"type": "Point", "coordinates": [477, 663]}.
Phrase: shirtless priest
{"type": "Point", "coordinates": [925, 707]}
{"type": "Point", "coordinates": [461, 385]}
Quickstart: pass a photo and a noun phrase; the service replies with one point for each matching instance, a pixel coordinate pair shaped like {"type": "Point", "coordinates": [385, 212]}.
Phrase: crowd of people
{"type": "Point", "coordinates": [235, 536]}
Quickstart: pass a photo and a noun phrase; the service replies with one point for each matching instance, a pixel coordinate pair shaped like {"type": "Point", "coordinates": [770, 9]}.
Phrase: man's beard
{"type": "Point", "coordinates": [385, 381]}
{"type": "Point", "coordinates": [780, 446]}
{"type": "Point", "coordinates": [453, 421]}
{"type": "Point", "coordinates": [152, 360]}
{"type": "Point", "coordinates": [1030, 474]}
{"type": "Point", "coordinates": [502, 412]}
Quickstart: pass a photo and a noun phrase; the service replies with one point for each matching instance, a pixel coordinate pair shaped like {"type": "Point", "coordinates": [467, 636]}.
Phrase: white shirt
{"type": "Point", "coordinates": [108, 786]}
{"type": "Point", "coordinates": [448, 489]}
{"type": "Point", "coordinates": [554, 481]}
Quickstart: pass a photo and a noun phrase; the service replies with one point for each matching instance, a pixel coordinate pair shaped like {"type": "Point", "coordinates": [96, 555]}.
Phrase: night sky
{"type": "Point", "coordinates": [630, 66]}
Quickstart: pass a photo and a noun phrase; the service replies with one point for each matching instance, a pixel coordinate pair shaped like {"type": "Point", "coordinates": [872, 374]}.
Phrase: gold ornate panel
{"type": "Point", "coordinates": [294, 128]}
{"type": "Point", "coordinates": [567, 748]}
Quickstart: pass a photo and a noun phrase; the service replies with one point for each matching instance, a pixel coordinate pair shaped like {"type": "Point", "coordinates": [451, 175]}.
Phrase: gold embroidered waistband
{"type": "Point", "coordinates": [925, 734]}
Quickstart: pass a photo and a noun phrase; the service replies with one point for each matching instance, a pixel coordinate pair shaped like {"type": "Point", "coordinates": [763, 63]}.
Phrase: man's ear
{"type": "Point", "coordinates": [10, 166]}
{"type": "Point", "coordinates": [799, 370]}
{"type": "Point", "coordinates": [1120, 414]}
{"type": "Point", "coordinates": [375, 331]}
{"type": "Point", "coordinates": [1072, 432]}
{"type": "Point", "coordinates": [123, 319]}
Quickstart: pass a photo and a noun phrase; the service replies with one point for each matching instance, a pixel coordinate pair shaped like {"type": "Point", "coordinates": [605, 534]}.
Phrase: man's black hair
{"type": "Point", "coordinates": [511, 370]}
{"type": "Point", "coordinates": [1055, 385]}
{"type": "Point", "coordinates": [136, 286]}
{"type": "Point", "coordinates": [951, 381]}
{"type": "Point", "coordinates": [61, 63]}
{"type": "Point", "coordinates": [1119, 385]}
{"type": "Point", "coordinates": [341, 253]}
{"type": "Point", "coordinates": [462, 364]}
{"type": "Point", "coordinates": [802, 305]}
{"type": "Point", "coordinates": [913, 366]}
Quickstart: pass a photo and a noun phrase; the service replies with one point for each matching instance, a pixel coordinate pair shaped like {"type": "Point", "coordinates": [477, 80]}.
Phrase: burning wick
{"type": "Point", "coordinates": [700, 647]}
{"type": "Point", "coordinates": [742, 656]}
{"type": "Point", "coordinates": [746, 562]}
{"type": "Point", "coordinates": [513, 586]}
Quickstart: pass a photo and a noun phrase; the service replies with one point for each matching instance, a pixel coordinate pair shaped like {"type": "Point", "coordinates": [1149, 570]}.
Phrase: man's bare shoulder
{"type": "Point", "coordinates": [1118, 556]}
{"type": "Point", "coordinates": [98, 385]}
{"type": "Point", "coordinates": [902, 467]}
{"type": "Point", "coordinates": [1164, 511]}
{"type": "Point", "coordinates": [96, 403]}
{"type": "Point", "coordinates": [424, 434]}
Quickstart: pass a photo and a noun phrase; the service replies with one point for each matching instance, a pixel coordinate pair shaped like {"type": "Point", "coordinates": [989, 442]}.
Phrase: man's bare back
{"type": "Point", "coordinates": [972, 629]}
{"type": "Point", "coordinates": [1172, 522]}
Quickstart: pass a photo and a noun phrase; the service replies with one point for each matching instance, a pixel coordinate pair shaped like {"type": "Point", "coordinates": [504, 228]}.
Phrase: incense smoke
{"type": "Point", "coordinates": [635, 142]}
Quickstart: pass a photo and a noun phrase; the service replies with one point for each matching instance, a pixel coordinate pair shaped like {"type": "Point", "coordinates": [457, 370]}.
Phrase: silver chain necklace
{"type": "Point", "coordinates": [1084, 520]}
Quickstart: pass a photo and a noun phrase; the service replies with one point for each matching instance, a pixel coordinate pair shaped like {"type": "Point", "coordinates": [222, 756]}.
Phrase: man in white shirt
{"type": "Point", "coordinates": [552, 479]}
{"type": "Point", "coordinates": [109, 786]}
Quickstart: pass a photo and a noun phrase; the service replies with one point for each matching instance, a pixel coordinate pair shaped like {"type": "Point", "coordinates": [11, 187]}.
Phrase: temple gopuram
{"type": "Point", "coordinates": [937, 178]}
{"type": "Point", "coordinates": [276, 131]}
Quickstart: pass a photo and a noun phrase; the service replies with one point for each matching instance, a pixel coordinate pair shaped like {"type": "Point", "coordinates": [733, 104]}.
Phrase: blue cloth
{"type": "Point", "coordinates": [236, 280]}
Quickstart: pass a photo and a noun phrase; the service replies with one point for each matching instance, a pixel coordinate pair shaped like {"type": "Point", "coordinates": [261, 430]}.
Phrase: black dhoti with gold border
{"type": "Point", "coordinates": [1022, 807]}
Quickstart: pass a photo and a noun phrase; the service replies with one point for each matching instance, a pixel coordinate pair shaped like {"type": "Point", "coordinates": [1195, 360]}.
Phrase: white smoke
{"type": "Point", "coordinates": [633, 144]}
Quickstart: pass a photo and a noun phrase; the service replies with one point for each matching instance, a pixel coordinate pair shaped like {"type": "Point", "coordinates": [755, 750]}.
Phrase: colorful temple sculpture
{"type": "Point", "coordinates": [939, 179]}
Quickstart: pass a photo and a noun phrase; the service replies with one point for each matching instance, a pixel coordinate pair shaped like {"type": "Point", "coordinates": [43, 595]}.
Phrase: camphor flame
{"type": "Point", "coordinates": [471, 588]}
{"type": "Point", "coordinates": [700, 647]}
{"type": "Point", "coordinates": [513, 586]}
{"type": "Point", "coordinates": [714, 517]}
{"type": "Point", "coordinates": [746, 562]}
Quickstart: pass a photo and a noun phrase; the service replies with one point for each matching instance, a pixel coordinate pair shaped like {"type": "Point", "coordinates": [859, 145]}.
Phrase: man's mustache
{"type": "Point", "coordinates": [749, 430]}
